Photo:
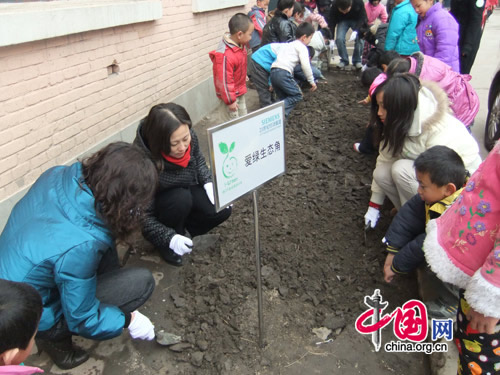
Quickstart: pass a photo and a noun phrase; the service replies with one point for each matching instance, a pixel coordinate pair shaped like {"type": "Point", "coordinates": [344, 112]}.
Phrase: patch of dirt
{"type": "Point", "coordinates": [315, 268]}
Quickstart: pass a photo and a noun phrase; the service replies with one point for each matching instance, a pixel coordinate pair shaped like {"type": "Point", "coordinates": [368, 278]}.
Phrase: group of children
{"type": "Point", "coordinates": [278, 61]}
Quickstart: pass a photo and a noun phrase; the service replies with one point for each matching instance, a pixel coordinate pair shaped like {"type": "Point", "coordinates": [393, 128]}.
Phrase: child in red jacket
{"type": "Point", "coordinates": [230, 67]}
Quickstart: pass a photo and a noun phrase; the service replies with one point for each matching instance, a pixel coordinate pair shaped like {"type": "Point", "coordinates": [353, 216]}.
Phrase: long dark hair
{"type": "Point", "coordinates": [123, 180]}
{"type": "Point", "coordinates": [400, 102]}
{"type": "Point", "coordinates": [163, 119]}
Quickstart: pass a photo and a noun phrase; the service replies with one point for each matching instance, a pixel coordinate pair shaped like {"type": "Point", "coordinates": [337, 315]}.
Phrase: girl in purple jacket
{"type": "Point", "coordinates": [437, 32]}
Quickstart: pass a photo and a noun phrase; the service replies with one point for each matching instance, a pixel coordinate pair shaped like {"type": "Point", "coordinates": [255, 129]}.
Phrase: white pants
{"type": "Point", "coordinates": [227, 115]}
{"type": "Point", "coordinates": [397, 180]}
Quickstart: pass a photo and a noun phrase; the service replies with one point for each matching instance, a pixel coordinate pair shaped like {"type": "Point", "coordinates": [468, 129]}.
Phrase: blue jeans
{"type": "Point", "coordinates": [342, 28]}
{"type": "Point", "coordinates": [286, 88]}
{"type": "Point", "coordinates": [299, 75]}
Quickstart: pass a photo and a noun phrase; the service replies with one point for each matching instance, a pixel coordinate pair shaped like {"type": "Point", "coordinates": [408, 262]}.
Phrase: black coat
{"type": "Point", "coordinates": [172, 175]}
{"type": "Point", "coordinates": [357, 13]}
{"type": "Point", "coordinates": [278, 30]}
{"type": "Point", "coordinates": [406, 234]}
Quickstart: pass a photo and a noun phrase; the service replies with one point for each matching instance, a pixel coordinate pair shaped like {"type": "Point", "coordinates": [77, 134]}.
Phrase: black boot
{"type": "Point", "coordinates": [62, 352]}
{"type": "Point", "coordinates": [171, 257]}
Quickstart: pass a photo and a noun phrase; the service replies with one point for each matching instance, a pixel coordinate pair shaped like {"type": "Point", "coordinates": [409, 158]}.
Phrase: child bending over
{"type": "Point", "coordinates": [463, 248]}
{"type": "Point", "coordinates": [20, 311]}
{"type": "Point", "coordinates": [230, 67]}
{"type": "Point", "coordinates": [287, 58]}
{"type": "Point", "coordinates": [441, 174]}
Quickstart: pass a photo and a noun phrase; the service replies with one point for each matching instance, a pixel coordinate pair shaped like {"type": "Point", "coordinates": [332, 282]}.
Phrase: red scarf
{"type": "Point", "coordinates": [183, 162]}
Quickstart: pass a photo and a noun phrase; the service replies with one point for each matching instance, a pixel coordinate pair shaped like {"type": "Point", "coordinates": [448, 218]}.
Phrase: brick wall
{"type": "Point", "coordinates": [57, 98]}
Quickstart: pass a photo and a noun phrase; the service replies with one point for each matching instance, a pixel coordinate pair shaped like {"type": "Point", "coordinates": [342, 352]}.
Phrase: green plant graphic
{"type": "Point", "coordinates": [230, 164]}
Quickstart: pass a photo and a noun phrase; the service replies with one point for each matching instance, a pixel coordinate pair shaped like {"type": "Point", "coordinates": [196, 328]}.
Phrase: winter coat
{"type": "Point", "coordinates": [469, 15]}
{"type": "Point", "coordinates": [318, 43]}
{"type": "Point", "coordinates": [374, 12]}
{"type": "Point", "coordinates": [172, 176]}
{"type": "Point", "coordinates": [258, 17]}
{"type": "Point", "coordinates": [19, 370]}
{"type": "Point", "coordinates": [463, 245]}
{"type": "Point", "coordinates": [401, 35]}
{"type": "Point", "coordinates": [437, 34]}
{"type": "Point", "coordinates": [54, 240]}
{"type": "Point", "coordinates": [266, 55]}
{"type": "Point", "coordinates": [229, 69]}
{"type": "Point", "coordinates": [357, 14]}
{"type": "Point", "coordinates": [406, 234]}
{"type": "Point", "coordinates": [278, 30]}
{"type": "Point", "coordinates": [432, 125]}
{"type": "Point", "coordinates": [464, 101]}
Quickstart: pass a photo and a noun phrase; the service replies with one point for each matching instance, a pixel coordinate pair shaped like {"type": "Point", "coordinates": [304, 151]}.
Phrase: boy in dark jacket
{"type": "Point", "coordinates": [441, 175]}
{"type": "Point", "coordinates": [230, 67]}
{"type": "Point", "coordinates": [279, 29]}
{"type": "Point", "coordinates": [345, 15]}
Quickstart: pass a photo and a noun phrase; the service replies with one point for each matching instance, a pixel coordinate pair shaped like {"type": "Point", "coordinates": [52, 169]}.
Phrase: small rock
{"type": "Point", "coordinates": [202, 344]}
{"type": "Point", "coordinates": [197, 359]}
{"type": "Point", "coordinates": [228, 365]}
{"type": "Point", "coordinates": [266, 271]}
{"type": "Point", "coordinates": [180, 347]}
{"type": "Point", "coordinates": [265, 362]}
{"type": "Point", "coordinates": [334, 322]}
{"type": "Point", "coordinates": [283, 290]}
{"type": "Point", "coordinates": [322, 332]}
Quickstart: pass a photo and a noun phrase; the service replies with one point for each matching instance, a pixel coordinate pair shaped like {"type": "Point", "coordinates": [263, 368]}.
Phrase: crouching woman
{"type": "Point", "coordinates": [60, 239]}
{"type": "Point", "coordinates": [185, 199]}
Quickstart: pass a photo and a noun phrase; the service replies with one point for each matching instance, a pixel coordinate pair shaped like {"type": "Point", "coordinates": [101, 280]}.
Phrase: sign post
{"type": "Point", "coordinates": [245, 153]}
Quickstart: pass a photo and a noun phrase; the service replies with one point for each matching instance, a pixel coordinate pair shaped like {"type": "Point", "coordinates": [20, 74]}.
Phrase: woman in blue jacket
{"type": "Point", "coordinates": [401, 34]}
{"type": "Point", "coordinates": [60, 238]}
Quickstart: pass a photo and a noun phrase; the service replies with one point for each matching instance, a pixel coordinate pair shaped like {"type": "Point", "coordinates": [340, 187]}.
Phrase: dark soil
{"type": "Point", "coordinates": [315, 268]}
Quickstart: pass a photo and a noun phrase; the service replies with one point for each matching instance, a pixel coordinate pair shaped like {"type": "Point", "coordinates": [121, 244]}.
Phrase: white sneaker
{"type": "Point", "coordinates": [358, 66]}
{"type": "Point", "coordinates": [341, 65]}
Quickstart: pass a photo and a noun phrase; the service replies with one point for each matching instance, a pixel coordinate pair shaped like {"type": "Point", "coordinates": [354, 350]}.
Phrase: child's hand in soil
{"type": "Point", "coordinates": [388, 272]}
{"type": "Point", "coordinates": [313, 87]}
{"type": "Point", "coordinates": [365, 101]}
{"type": "Point", "coordinates": [271, 89]}
{"type": "Point", "coordinates": [481, 323]}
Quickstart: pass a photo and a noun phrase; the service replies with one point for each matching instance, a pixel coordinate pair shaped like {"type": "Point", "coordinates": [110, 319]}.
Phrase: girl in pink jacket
{"type": "Point", "coordinates": [375, 9]}
{"type": "Point", "coordinates": [464, 101]}
{"type": "Point", "coordinates": [463, 248]}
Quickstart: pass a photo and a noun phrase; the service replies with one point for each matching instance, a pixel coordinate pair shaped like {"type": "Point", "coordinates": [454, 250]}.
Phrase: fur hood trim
{"type": "Point", "coordinates": [483, 296]}
{"type": "Point", "coordinates": [439, 261]}
{"type": "Point", "coordinates": [433, 106]}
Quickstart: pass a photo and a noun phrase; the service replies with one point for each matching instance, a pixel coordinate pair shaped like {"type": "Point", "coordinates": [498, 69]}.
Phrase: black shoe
{"type": "Point", "coordinates": [62, 352]}
{"type": "Point", "coordinates": [171, 257]}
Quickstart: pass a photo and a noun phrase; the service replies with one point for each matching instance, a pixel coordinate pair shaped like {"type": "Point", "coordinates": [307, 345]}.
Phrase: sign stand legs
{"type": "Point", "coordinates": [257, 259]}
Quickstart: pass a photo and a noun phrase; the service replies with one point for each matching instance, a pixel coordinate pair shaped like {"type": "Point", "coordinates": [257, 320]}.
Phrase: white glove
{"type": "Point", "coordinates": [140, 327]}
{"type": "Point", "coordinates": [353, 36]}
{"type": "Point", "coordinates": [209, 188]}
{"type": "Point", "coordinates": [372, 216]}
{"type": "Point", "coordinates": [181, 245]}
{"type": "Point", "coordinates": [332, 45]}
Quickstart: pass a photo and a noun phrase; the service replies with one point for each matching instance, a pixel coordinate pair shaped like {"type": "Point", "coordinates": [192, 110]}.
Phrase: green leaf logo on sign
{"type": "Point", "coordinates": [230, 164]}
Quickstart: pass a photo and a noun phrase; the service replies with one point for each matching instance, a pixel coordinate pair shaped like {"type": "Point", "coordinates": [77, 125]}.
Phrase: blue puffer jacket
{"type": "Point", "coordinates": [401, 34]}
{"type": "Point", "coordinates": [54, 240]}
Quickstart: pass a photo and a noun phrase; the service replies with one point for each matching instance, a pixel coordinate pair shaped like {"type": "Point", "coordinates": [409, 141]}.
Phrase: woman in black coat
{"type": "Point", "coordinates": [185, 198]}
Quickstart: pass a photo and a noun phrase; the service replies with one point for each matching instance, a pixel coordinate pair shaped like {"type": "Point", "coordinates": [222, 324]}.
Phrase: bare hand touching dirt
{"type": "Point", "coordinates": [388, 272]}
{"type": "Point", "coordinates": [313, 87]}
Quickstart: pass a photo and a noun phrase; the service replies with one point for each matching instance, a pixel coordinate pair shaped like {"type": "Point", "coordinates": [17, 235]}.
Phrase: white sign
{"type": "Point", "coordinates": [247, 152]}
